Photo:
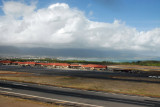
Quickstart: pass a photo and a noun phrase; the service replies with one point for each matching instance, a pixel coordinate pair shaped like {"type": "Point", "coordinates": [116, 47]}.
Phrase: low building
{"type": "Point", "coordinates": [6, 62]}
{"type": "Point", "coordinates": [94, 67]}
{"type": "Point", "coordinates": [75, 66]}
{"type": "Point", "coordinates": [57, 65]}
{"type": "Point", "coordinates": [54, 65]}
{"type": "Point", "coordinates": [14, 63]}
{"type": "Point", "coordinates": [26, 63]}
{"type": "Point", "coordinates": [41, 64]}
{"type": "Point", "coordinates": [61, 65]}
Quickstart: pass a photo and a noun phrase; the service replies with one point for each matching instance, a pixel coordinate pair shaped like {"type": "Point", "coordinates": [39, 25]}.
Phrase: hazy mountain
{"type": "Point", "coordinates": [10, 50]}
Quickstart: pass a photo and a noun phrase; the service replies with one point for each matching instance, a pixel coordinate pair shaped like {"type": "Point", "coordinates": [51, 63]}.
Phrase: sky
{"type": "Point", "coordinates": [132, 25]}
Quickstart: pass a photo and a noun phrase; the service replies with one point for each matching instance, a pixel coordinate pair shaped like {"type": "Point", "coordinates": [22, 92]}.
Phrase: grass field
{"type": "Point", "coordinates": [125, 85]}
{"type": "Point", "coordinates": [149, 69]}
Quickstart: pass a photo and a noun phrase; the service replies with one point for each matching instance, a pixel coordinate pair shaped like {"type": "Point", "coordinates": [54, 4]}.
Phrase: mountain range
{"type": "Point", "coordinates": [70, 52]}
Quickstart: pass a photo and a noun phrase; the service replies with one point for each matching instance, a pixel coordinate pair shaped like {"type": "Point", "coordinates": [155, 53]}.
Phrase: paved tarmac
{"type": "Point", "coordinates": [75, 97]}
{"type": "Point", "coordinates": [68, 72]}
{"type": "Point", "coordinates": [43, 71]}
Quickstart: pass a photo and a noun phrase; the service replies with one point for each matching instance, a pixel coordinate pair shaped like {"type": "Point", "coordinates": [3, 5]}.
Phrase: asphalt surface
{"type": "Point", "coordinates": [43, 71]}
{"type": "Point", "coordinates": [76, 97]}
{"type": "Point", "coordinates": [69, 72]}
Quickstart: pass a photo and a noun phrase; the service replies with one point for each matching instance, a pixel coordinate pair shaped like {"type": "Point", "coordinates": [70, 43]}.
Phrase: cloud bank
{"type": "Point", "coordinates": [59, 26]}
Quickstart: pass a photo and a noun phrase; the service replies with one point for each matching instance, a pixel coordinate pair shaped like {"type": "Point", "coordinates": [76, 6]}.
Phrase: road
{"type": "Point", "coordinates": [75, 97]}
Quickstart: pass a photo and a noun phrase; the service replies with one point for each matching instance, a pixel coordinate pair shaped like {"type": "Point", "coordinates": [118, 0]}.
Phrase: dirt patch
{"type": "Point", "coordinates": [13, 73]}
{"type": "Point", "coordinates": [6, 101]}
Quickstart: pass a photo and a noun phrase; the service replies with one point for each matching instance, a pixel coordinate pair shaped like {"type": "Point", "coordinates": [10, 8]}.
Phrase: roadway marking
{"type": "Point", "coordinates": [114, 94]}
{"type": "Point", "coordinates": [76, 89]}
{"type": "Point", "coordinates": [19, 84]}
{"type": "Point", "coordinates": [5, 88]}
{"type": "Point", "coordinates": [51, 99]}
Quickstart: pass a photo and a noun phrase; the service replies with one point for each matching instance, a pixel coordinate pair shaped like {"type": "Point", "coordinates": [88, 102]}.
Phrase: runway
{"type": "Point", "coordinates": [43, 71]}
{"type": "Point", "coordinates": [69, 72]}
{"type": "Point", "coordinates": [75, 97]}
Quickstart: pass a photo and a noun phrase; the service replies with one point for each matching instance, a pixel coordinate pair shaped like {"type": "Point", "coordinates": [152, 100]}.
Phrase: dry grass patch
{"type": "Point", "coordinates": [12, 72]}
{"type": "Point", "coordinates": [6, 101]}
{"type": "Point", "coordinates": [136, 67]}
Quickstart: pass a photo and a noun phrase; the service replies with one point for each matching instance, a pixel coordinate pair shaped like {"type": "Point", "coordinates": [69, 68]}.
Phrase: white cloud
{"type": "Point", "coordinates": [60, 26]}
{"type": "Point", "coordinates": [17, 9]}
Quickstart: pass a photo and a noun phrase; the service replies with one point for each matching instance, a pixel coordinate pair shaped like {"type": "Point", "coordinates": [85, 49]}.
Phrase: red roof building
{"type": "Point", "coordinates": [75, 66]}
{"type": "Point", "coordinates": [6, 62]}
{"type": "Point", "coordinates": [25, 63]}
{"type": "Point", "coordinates": [94, 67]}
{"type": "Point", "coordinates": [55, 65]}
